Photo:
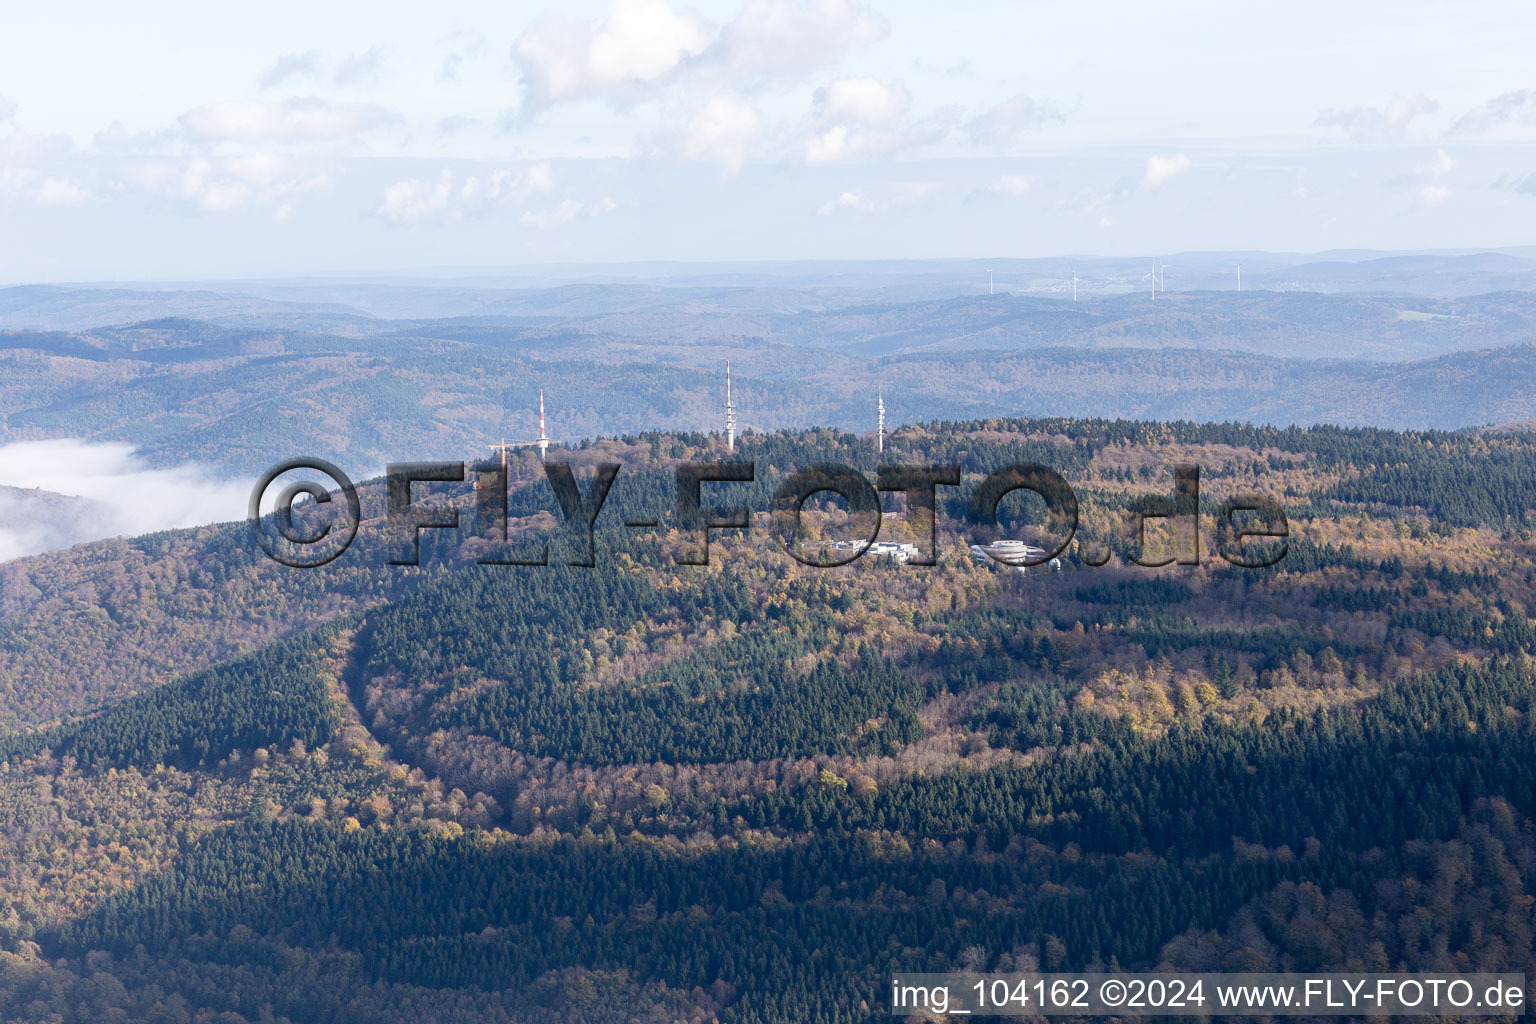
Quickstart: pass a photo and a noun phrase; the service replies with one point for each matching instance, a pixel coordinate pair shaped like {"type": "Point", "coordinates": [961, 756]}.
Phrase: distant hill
{"type": "Point", "coordinates": [1437, 275]}
{"type": "Point", "coordinates": [33, 520]}
{"type": "Point", "coordinates": [1449, 392]}
{"type": "Point", "coordinates": [241, 399]}
{"type": "Point", "coordinates": [49, 307]}
{"type": "Point", "coordinates": [369, 372]}
{"type": "Point", "coordinates": [1519, 426]}
{"type": "Point", "coordinates": [717, 292]}
{"type": "Point", "coordinates": [1286, 324]}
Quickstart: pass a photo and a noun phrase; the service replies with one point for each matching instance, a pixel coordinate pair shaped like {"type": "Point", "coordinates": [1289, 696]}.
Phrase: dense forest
{"type": "Point", "coordinates": [750, 790]}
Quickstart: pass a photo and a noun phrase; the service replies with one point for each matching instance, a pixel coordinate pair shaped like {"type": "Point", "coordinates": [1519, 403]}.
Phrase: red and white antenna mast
{"type": "Point", "coordinates": [880, 425]}
{"type": "Point", "coordinates": [543, 441]}
{"type": "Point", "coordinates": [730, 412]}
{"type": "Point", "coordinates": [543, 435]}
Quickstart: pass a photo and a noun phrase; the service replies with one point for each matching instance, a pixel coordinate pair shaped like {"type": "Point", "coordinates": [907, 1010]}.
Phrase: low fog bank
{"type": "Point", "coordinates": [57, 493]}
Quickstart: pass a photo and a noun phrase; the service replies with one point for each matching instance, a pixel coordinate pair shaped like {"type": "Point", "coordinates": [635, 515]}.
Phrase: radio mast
{"type": "Point", "coordinates": [542, 442]}
{"type": "Point", "coordinates": [730, 412]}
{"type": "Point", "coordinates": [880, 425]}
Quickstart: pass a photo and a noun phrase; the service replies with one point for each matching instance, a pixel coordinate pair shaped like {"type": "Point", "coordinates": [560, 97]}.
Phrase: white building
{"type": "Point", "coordinates": [902, 553]}
{"type": "Point", "coordinates": [1009, 554]}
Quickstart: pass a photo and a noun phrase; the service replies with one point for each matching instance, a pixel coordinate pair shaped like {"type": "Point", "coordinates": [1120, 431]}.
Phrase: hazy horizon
{"type": "Point", "coordinates": [625, 130]}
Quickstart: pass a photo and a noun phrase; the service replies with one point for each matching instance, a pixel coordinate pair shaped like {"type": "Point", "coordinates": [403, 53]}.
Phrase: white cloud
{"type": "Point", "coordinates": [7, 110]}
{"type": "Point", "coordinates": [407, 202]}
{"type": "Point", "coordinates": [1161, 168]}
{"type": "Point", "coordinates": [256, 168]}
{"type": "Point", "coordinates": [722, 130]}
{"type": "Point", "coordinates": [838, 143]}
{"type": "Point", "coordinates": [297, 120]}
{"type": "Point", "coordinates": [867, 100]}
{"type": "Point", "coordinates": [854, 200]}
{"type": "Point", "coordinates": [200, 184]}
{"type": "Point", "coordinates": [289, 66]}
{"type": "Point", "coordinates": [830, 146]}
{"type": "Point", "coordinates": [1495, 112]}
{"type": "Point", "coordinates": [221, 184]}
{"type": "Point", "coordinates": [415, 200]}
{"type": "Point", "coordinates": [1004, 123]}
{"type": "Point", "coordinates": [25, 157]}
{"type": "Point", "coordinates": [546, 220]}
{"type": "Point", "coordinates": [841, 142]}
{"type": "Point", "coordinates": [19, 147]}
{"type": "Point", "coordinates": [1376, 124]}
{"type": "Point", "coordinates": [507, 184]}
{"type": "Point", "coordinates": [777, 39]}
{"type": "Point", "coordinates": [539, 178]}
{"type": "Point", "coordinates": [360, 67]}
{"type": "Point", "coordinates": [1434, 170]}
{"type": "Point", "coordinates": [61, 192]}
{"type": "Point", "coordinates": [639, 46]}
{"type": "Point", "coordinates": [904, 193]}
{"type": "Point", "coordinates": [857, 118]}
{"type": "Point", "coordinates": [276, 176]}
{"type": "Point", "coordinates": [638, 42]}
{"type": "Point", "coordinates": [115, 138]}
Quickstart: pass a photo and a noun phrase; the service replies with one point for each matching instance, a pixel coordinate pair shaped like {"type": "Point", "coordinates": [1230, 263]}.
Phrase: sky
{"type": "Point", "coordinates": [177, 140]}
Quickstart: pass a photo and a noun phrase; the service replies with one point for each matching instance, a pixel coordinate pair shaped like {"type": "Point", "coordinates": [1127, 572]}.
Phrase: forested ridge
{"type": "Point", "coordinates": [362, 391]}
{"type": "Point", "coordinates": [269, 698]}
{"type": "Point", "coordinates": [748, 791]}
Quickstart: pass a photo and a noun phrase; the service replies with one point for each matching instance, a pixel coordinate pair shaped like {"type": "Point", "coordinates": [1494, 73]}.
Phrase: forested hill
{"type": "Point", "coordinates": [242, 396]}
{"type": "Point", "coordinates": [749, 791]}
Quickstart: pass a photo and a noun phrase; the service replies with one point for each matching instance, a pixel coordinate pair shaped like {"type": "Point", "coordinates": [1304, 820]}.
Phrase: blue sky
{"type": "Point", "coordinates": [180, 140]}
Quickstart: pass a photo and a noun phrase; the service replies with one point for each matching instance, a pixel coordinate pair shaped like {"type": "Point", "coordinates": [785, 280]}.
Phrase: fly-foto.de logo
{"type": "Point", "coordinates": [1251, 530]}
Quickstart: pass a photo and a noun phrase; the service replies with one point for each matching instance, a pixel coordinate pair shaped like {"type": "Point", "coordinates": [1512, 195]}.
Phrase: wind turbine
{"type": "Point", "coordinates": [1162, 278]}
{"type": "Point", "coordinates": [1074, 284]}
{"type": "Point", "coordinates": [1153, 278]}
{"type": "Point", "coordinates": [989, 282]}
{"type": "Point", "coordinates": [1239, 277]}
